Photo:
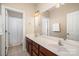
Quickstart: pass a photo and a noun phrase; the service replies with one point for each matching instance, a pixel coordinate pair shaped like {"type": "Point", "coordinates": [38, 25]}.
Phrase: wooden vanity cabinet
{"type": "Point", "coordinates": [29, 46]}
{"type": "Point", "coordinates": [35, 49]}
{"type": "Point", "coordinates": [32, 47]}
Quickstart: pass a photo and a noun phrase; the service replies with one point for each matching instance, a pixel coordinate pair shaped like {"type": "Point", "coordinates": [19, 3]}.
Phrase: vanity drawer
{"type": "Point", "coordinates": [35, 44]}
{"type": "Point", "coordinates": [34, 54]}
{"type": "Point", "coordinates": [46, 52]}
{"type": "Point", "coordinates": [41, 54]}
{"type": "Point", "coordinates": [29, 45]}
{"type": "Point", "coordinates": [35, 49]}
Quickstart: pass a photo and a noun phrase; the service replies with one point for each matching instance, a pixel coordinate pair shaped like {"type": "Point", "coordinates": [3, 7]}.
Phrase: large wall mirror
{"type": "Point", "coordinates": [58, 21]}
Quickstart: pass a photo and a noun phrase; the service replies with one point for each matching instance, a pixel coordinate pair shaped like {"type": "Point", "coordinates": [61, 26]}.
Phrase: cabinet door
{"type": "Point", "coordinates": [34, 54]}
{"type": "Point", "coordinates": [35, 49]}
{"type": "Point", "coordinates": [27, 46]}
{"type": "Point", "coordinates": [35, 44]}
{"type": "Point", "coordinates": [41, 54]}
{"type": "Point", "coordinates": [46, 52]}
{"type": "Point", "coordinates": [30, 48]}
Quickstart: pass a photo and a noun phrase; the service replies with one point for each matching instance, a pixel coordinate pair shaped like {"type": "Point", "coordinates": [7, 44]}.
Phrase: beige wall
{"type": "Point", "coordinates": [29, 19]}
{"type": "Point", "coordinates": [58, 15]}
{"type": "Point", "coordinates": [42, 7]}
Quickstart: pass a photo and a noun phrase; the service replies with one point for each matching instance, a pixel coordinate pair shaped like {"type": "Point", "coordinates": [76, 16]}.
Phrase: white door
{"type": "Point", "coordinates": [45, 26]}
{"type": "Point", "coordinates": [15, 31]}
{"type": "Point", "coordinates": [73, 25]}
{"type": "Point", "coordinates": [6, 32]}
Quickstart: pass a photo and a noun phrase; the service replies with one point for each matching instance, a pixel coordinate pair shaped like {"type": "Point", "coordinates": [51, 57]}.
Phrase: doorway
{"type": "Point", "coordinates": [45, 26]}
{"type": "Point", "coordinates": [73, 25]}
{"type": "Point", "coordinates": [13, 29]}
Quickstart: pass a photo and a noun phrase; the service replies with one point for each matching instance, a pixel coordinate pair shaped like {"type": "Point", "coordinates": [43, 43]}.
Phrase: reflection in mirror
{"type": "Point", "coordinates": [37, 23]}
{"type": "Point", "coordinates": [72, 25]}
{"type": "Point", "coordinates": [45, 23]}
{"type": "Point", "coordinates": [53, 22]}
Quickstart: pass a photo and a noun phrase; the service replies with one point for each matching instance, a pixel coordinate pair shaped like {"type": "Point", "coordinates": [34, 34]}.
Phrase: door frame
{"type": "Point", "coordinates": [47, 24]}
{"type": "Point", "coordinates": [3, 37]}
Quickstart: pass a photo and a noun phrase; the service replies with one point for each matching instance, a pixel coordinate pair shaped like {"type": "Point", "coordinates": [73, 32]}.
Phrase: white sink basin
{"type": "Point", "coordinates": [71, 46]}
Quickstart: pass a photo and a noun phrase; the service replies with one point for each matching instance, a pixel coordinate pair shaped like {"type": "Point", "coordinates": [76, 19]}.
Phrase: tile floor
{"type": "Point", "coordinates": [17, 51]}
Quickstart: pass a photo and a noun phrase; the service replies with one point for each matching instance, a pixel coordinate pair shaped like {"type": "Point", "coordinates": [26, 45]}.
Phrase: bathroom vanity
{"type": "Point", "coordinates": [34, 49]}
{"type": "Point", "coordinates": [48, 46]}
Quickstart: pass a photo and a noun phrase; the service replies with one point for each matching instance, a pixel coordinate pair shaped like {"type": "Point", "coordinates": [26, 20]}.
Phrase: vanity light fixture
{"type": "Point", "coordinates": [37, 13]}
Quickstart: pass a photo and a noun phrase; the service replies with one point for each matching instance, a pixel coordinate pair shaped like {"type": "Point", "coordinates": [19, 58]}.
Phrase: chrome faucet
{"type": "Point", "coordinates": [66, 36]}
{"type": "Point", "coordinates": [60, 43]}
